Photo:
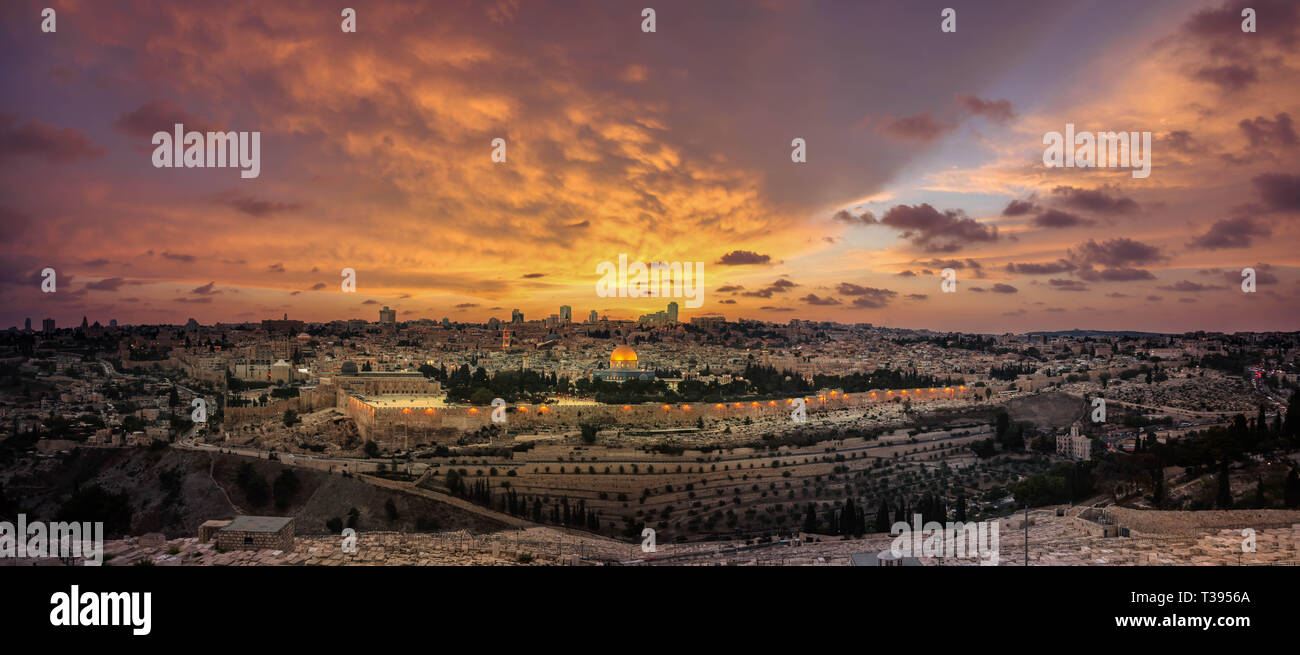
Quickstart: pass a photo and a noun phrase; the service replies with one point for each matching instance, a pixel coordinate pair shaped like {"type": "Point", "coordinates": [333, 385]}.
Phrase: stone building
{"type": "Point", "coordinates": [256, 532]}
{"type": "Point", "coordinates": [1074, 445]}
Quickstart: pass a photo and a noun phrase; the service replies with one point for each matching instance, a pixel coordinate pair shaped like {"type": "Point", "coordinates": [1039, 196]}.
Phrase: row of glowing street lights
{"type": "Point", "coordinates": [544, 409]}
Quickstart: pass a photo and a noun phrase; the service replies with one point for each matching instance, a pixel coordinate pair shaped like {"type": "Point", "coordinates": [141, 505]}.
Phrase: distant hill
{"type": "Point", "coordinates": [173, 491]}
{"type": "Point", "coordinates": [1098, 333]}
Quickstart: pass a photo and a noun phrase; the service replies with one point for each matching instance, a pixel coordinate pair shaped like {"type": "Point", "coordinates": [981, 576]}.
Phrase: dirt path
{"type": "Point", "coordinates": [212, 465]}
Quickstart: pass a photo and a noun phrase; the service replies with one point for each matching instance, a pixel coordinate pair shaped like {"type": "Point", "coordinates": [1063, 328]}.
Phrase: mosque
{"type": "Point", "coordinates": [623, 367]}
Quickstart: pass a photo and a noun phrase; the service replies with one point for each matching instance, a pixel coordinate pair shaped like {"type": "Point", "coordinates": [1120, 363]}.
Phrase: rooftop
{"type": "Point", "coordinates": [258, 524]}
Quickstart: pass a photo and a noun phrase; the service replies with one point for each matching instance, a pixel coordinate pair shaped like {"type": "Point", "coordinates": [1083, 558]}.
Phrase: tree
{"type": "Point", "coordinates": [253, 485]}
{"type": "Point", "coordinates": [1158, 485]}
{"type": "Point", "coordinates": [1291, 428]}
{"type": "Point", "coordinates": [95, 504]}
{"type": "Point", "coordinates": [482, 396]}
{"type": "Point", "coordinates": [391, 509]}
{"type": "Point", "coordinates": [1003, 423]}
{"type": "Point", "coordinates": [372, 449]}
{"type": "Point", "coordinates": [588, 433]}
{"type": "Point", "coordinates": [285, 487]}
{"type": "Point", "coordinates": [1291, 492]}
{"type": "Point", "coordinates": [334, 525]}
{"type": "Point", "coordinates": [354, 518]}
{"type": "Point", "coordinates": [290, 418]}
{"type": "Point", "coordinates": [882, 516]}
{"type": "Point", "coordinates": [1224, 499]}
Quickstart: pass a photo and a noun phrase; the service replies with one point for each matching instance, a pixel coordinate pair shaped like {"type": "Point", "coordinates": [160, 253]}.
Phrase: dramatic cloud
{"type": "Point", "coordinates": [779, 286]}
{"type": "Point", "coordinates": [1230, 233]}
{"type": "Point", "coordinates": [254, 206]}
{"type": "Point", "coordinates": [1044, 268]}
{"type": "Point", "coordinates": [1018, 208]}
{"type": "Point", "coordinates": [1233, 77]}
{"type": "Point", "coordinates": [44, 140]}
{"type": "Point", "coordinates": [161, 116]}
{"type": "Point", "coordinates": [1264, 132]}
{"type": "Point", "coordinates": [1067, 285]}
{"type": "Point", "coordinates": [845, 216]}
{"type": "Point", "coordinates": [921, 127]}
{"type": "Point", "coordinates": [934, 231]}
{"type": "Point", "coordinates": [1100, 201]}
{"type": "Point", "coordinates": [106, 284]}
{"type": "Point", "coordinates": [1187, 286]}
{"type": "Point", "coordinates": [1123, 274]}
{"type": "Point", "coordinates": [743, 258]}
{"type": "Point", "coordinates": [205, 290]}
{"type": "Point", "coordinates": [814, 299]}
{"type": "Point", "coordinates": [866, 297]}
{"type": "Point", "coordinates": [999, 111]}
{"type": "Point", "coordinates": [1279, 191]}
{"type": "Point", "coordinates": [1055, 218]}
{"type": "Point", "coordinates": [1115, 252]}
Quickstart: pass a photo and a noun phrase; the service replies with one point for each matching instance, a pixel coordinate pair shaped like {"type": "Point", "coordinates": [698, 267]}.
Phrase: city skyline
{"type": "Point", "coordinates": [665, 146]}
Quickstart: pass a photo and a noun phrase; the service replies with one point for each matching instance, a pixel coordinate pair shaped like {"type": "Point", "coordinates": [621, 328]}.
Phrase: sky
{"type": "Point", "coordinates": [924, 151]}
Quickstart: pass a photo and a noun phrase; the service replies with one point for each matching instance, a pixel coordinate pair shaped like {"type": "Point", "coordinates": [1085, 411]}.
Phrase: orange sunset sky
{"type": "Point", "coordinates": [924, 151]}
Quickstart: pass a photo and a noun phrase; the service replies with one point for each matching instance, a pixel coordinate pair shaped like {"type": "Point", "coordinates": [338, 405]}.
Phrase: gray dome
{"type": "Point", "coordinates": [348, 368]}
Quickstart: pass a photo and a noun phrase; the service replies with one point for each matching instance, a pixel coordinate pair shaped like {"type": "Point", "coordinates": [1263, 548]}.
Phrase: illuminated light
{"type": "Point", "coordinates": [627, 407]}
{"type": "Point", "coordinates": [473, 410]}
{"type": "Point", "coordinates": [740, 404]}
{"type": "Point", "coordinates": [789, 401]}
{"type": "Point", "coordinates": [845, 396]}
{"type": "Point", "coordinates": [932, 389]}
{"type": "Point", "coordinates": [544, 409]}
{"type": "Point", "coordinates": [522, 408]}
{"type": "Point", "coordinates": [407, 410]}
{"type": "Point", "coordinates": [771, 403]}
{"type": "Point", "coordinates": [889, 393]}
{"type": "Point", "coordinates": [873, 394]}
{"type": "Point", "coordinates": [963, 388]}
{"type": "Point", "coordinates": [667, 407]}
{"type": "Point", "coordinates": [754, 404]}
{"type": "Point", "coordinates": [947, 388]}
{"type": "Point", "coordinates": [833, 393]}
{"type": "Point", "coordinates": [718, 406]}
{"type": "Point", "coordinates": [904, 392]}
{"type": "Point", "coordinates": [686, 407]}
{"type": "Point", "coordinates": [429, 411]}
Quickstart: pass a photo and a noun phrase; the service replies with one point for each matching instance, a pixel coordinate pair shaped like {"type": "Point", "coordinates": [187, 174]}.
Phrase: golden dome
{"type": "Point", "coordinates": [623, 357]}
